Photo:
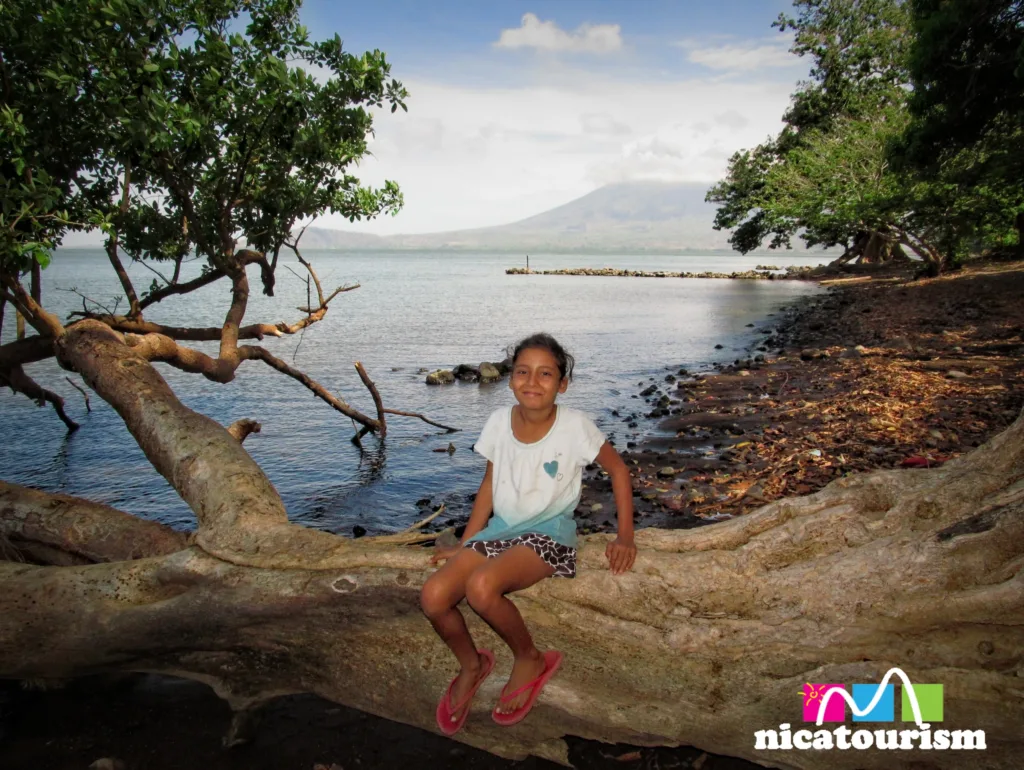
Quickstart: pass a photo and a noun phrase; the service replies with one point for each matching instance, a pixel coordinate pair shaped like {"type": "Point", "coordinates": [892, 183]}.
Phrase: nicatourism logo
{"type": "Point", "coordinates": [827, 702]}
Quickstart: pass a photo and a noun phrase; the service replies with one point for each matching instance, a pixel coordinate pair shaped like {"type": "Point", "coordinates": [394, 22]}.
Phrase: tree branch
{"type": "Point", "coordinates": [80, 389]}
{"type": "Point", "coordinates": [43, 322]}
{"type": "Point", "coordinates": [87, 532]}
{"type": "Point", "coordinates": [181, 288]}
{"type": "Point", "coordinates": [202, 334]}
{"type": "Point", "coordinates": [382, 429]}
{"type": "Point", "coordinates": [241, 429]}
{"type": "Point", "coordinates": [26, 351]}
{"type": "Point", "coordinates": [112, 245]}
{"type": "Point", "coordinates": [446, 428]}
{"type": "Point", "coordinates": [257, 353]}
{"type": "Point", "coordinates": [19, 382]}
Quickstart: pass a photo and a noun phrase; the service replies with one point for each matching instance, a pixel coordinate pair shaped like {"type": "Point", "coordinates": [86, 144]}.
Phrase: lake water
{"type": "Point", "coordinates": [412, 311]}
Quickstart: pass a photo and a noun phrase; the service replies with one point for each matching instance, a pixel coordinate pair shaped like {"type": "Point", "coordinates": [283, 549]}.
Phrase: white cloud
{"type": "Point", "coordinates": [602, 123]}
{"type": "Point", "coordinates": [548, 36]}
{"type": "Point", "coordinates": [732, 119]}
{"type": "Point", "coordinates": [742, 57]}
{"type": "Point", "coordinates": [473, 157]}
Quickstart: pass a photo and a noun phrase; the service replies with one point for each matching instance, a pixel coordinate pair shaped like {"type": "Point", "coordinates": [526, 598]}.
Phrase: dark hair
{"type": "Point", "coordinates": [544, 341]}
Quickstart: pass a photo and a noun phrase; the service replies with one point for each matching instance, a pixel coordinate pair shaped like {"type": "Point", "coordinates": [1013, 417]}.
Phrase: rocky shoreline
{"type": "Point", "coordinates": [892, 373]}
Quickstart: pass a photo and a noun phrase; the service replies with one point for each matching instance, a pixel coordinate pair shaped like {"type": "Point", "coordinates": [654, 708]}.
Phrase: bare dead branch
{"type": "Point", "coordinates": [240, 429]}
{"type": "Point", "coordinates": [423, 522]}
{"type": "Point", "coordinates": [446, 428]}
{"type": "Point", "coordinates": [316, 279]}
{"type": "Point", "coordinates": [335, 293]}
{"type": "Point", "coordinates": [383, 427]}
{"type": "Point", "coordinates": [154, 271]}
{"type": "Point", "coordinates": [85, 312]}
{"type": "Point", "coordinates": [257, 353]}
{"type": "Point", "coordinates": [357, 439]}
{"type": "Point", "coordinates": [81, 390]}
{"type": "Point", "coordinates": [406, 538]}
{"type": "Point", "coordinates": [16, 379]}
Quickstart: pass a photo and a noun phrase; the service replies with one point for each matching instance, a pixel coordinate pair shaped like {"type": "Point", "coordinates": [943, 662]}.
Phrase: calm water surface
{"type": "Point", "coordinates": [411, 311]}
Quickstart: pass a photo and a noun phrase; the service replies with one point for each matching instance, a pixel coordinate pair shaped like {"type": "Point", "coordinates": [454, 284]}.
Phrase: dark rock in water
{"type": "Point", "coordinates": [650, 391]}
{"type": "Point", "coordinates": [719, 346]}
{"type": "Point", "coordinates": [504, 366]}
{"type": "Point", "coordinates": [466, 373]}
{"type": "Point", "coordinates": [358, 531]}
{"type": "Point", "coordinates": [423, 501]}
{"type": "Point", "coordinates": [440, 377]}
{"type": "Point", "coordinates": [489, 372]}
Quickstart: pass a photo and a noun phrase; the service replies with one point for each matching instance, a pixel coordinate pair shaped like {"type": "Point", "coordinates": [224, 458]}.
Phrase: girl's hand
{"type": "Point", "coordinates": [443, 554]}
{"type": "Point", "coordinates": [621, 553]}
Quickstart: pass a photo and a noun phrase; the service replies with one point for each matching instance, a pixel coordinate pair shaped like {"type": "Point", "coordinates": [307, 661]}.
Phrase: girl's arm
{"type": "Point", "coordinates": [621, 552]}
{"type": "Point", "coordinates": [482, 506]}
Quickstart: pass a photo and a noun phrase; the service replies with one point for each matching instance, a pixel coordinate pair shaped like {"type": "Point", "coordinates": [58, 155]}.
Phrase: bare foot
{"type": "Point", "coordinates": [524, 671]}
{"type": "Point", "coordinates": [463, 684]}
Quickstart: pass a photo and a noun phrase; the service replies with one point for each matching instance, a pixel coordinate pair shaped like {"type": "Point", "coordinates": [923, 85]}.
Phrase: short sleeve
{"type": "Point", "coordinates": [592, 439]}
{"type": "Point", "coordinates": [488, 441]}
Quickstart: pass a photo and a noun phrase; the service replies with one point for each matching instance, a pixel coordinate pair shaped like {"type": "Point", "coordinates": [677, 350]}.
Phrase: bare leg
{"type": "Point", "coordinates": [439, 599]}
{"type": "Point", "coordinates": [517, 568]}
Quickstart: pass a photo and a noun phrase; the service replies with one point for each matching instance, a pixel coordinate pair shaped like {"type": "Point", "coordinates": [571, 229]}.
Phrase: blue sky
{"type": "Point", "coordinates": [517, 107]}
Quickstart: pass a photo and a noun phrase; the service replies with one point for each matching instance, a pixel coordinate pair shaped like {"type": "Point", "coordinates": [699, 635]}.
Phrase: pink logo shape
{"type": "Point", "coordinates": [813, 694]}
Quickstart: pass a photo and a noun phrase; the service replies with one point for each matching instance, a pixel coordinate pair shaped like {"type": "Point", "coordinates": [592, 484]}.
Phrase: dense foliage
{"type": "Point", "coordinates": [875, 155]}
{"type": "Point", "coordinates": [967, 134]}
{"type": "Point", "coordinates": [178, 126]}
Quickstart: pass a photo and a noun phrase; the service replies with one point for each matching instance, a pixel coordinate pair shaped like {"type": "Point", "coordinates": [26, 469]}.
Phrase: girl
{"type": "Point", "coordinates": [535, 454]}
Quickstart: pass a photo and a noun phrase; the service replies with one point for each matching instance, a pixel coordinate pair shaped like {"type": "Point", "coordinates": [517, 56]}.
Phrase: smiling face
{"type": "Point", "coordinates": [536, 379]}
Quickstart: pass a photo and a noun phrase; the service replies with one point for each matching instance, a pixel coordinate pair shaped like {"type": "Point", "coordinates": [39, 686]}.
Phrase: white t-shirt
{"type": "Point", "coordinates": [536, 487]}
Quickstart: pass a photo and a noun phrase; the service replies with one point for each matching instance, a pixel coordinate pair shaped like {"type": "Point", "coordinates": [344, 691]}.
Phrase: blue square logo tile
{"type": "Point", "coordinates": [883, 709]}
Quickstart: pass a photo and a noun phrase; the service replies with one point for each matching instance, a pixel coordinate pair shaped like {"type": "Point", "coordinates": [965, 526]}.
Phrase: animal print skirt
{"type": "Point", "coordinates": [561, 557]}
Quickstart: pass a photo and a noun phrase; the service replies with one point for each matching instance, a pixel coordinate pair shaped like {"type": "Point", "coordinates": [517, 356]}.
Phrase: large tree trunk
{"type": "Point", "coordinates": [710, 638]}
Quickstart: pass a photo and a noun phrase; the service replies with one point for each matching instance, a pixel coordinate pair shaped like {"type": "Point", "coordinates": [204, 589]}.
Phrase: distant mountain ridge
{"type": "Point", "coordinates": [624, 217]}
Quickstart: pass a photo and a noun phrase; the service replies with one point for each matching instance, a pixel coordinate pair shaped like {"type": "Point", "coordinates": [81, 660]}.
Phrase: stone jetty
{"type": "Point", "coordinates": [762, 274]}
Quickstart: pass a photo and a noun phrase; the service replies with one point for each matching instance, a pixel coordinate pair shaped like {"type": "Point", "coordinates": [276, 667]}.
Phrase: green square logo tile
{"type": "Point", "coordinates": [929, 700]}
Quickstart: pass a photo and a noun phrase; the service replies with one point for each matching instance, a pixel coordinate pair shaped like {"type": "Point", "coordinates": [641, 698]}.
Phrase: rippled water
{"type": "Point", "coordinates": [412, 311]}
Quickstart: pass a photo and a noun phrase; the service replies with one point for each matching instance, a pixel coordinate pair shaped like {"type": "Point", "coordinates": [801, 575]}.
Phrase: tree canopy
{"type": "Point", "coordinates": [179, 127]}
{"type": "Point", "coordinates": [865, 160]}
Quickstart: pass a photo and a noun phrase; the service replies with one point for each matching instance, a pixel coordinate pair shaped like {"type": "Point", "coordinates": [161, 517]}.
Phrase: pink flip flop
{"type": "Point", "coordinates": [445, 720]}
{"type": "Point", "coordinates": [552, 660]}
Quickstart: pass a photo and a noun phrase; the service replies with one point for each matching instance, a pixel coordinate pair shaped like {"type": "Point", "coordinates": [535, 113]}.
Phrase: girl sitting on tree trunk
{"type": "Point", "coordinates": [535, 451]}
